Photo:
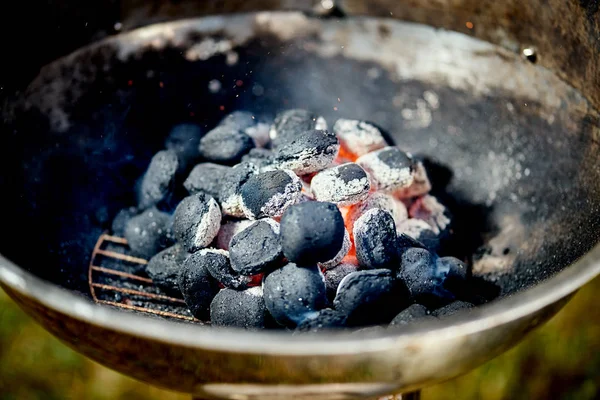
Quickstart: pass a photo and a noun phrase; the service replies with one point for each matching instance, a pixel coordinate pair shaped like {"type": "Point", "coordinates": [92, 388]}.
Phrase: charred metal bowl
{"type": "Point", "coordinates": [504, 103]}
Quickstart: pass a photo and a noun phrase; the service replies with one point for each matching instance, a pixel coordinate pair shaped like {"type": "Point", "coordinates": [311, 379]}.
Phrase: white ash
{"type": "Point", "coordinates": [214, 251]}
{"type": "Point", "coordinates": [232, 206]}
{"type": "Point", "coordinates": [420, 185]}
{"type": "Point", "coordinates": [346, 244]}
{"type": "Point", "coordinates": [259, 133]}
{"type": "Point", "coordinates": [229, 230]}
{"type": "Point", "coordinates": [277, 205]}
{"type": "Point", "coordinates": [310, 160]}
{"type": "Point", "coordinates": [321, 124]}
{"type": "Point", "coordinates": [413, 227]}
{"type": "Point", "coordinates": [255, 291]}
{"type": "Point", "coordinates": [328, 185]}
{"type": "Point", "coordinates": [209, 225]}
{"type": "Point", "coordinates": [383, 177]}
{"type": "Point", "coordinates": [359, 137]}
{"type": "Point", "coordinates": [274, 224]}
{"type": "Point", "coordinates": [430, 210]}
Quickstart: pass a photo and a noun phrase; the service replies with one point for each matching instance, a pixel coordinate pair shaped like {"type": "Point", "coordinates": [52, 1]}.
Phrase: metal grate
{"type": "Point", "coordinates": [118, 279]}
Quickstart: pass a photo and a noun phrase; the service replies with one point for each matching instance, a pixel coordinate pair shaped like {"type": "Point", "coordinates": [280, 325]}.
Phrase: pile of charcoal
{"type": "Point", "coordinates": [290, 224]}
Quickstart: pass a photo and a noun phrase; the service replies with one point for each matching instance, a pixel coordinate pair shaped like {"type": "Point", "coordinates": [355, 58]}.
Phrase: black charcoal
{"type": "Point", "coordinates": [239, 119]}
{"type": "Point", "coordinates": [411, 314]}
{"type": "Point", "coordinates": [370, 297]}
{"type": "Point", "coordinates": [344, 185]}
{"type": "Point", "coordinates": [420, 231]}
{"type": "Point", "coordinates": [312, 232]}
{"type": "Point", "coordinates": [452, 309]}
{"type": "Point", "coordinates": [165, 267]}
{"type": "Point", "coordinates": [158, 181]}
{"type": "Point", "coordinates": [184, 140]}
{"type": "Point", "coordinates": [230, 198]}
{"type": "Point", "coordinates": [197, 221]}
{"type": "Point", "coordinates": [292, 292]}
{"type": "Point", "coordinates": [289, 124]}
{"type": "Point", "coordinates": [375, 240]}
{"type": "Point", "coordinates": [257, 248]}
{"type": "Point", "coordinates": [323, 320]}
{"type": "Point", "coordinates": [390, 168]}
{"type": "Point", "coordinates": [424, 277]}
{"type": "Point", "coordinates": [121, 219]}
{"type": "Point", "coordinates": [197, 286]}
{"type": "Point", "coordinates": [225, 144]}
{"type": "Point", "coordinates": [148, 233]}
{"type": "Point", "coordinates": [240, 309]}
{"type": "Point", "coordinates": [334, 276]}
{"type": "Point", "coordinates": [251, 125]}
{"type": "Point", "coordinates": [456, 278]}
{"type": "Point", "coordinates": [263, 159]}
{"type": "Point", "coordinates": [346, 245]}
{"type": "Point", "coordinates": [219, 267]}
{"type": "Point", "coordinates": [206, 178]}
{"type": "Point", "coordinates": [308, 152]}
{"type": "Point", "coordinates": [270, 193]}
{"type": "Point", "coordinates": [359, 137]}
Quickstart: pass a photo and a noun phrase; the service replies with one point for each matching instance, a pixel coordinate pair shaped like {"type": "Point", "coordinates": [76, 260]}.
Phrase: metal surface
{"type": "Point", "coordinates": [482, 90]}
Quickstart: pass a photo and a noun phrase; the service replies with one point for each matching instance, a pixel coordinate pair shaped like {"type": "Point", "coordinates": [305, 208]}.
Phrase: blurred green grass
{"type": "Point", "coordinates": [559, 361]}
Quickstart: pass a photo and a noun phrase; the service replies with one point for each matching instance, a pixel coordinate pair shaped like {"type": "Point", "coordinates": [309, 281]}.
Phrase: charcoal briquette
{"type": "Point", "coordinates": [382, 201]}
{"type": "Point", "coordinates": [411, 314]}
{"type": "Point", "coordinates": [184, 140]}
{"type": "Point", "coordinates": [248, 123]}
{"type": "Point", "coordinates": [420, 185]}
{"type": "Point", "coordinates": [334, 276]}
{"type": "Point", "coordinates": [241, 309]}
{"type": "Point", "coordinates": [370, 297]}
{"type": "Point", "coordinates": [219, 267]}
{"type": "Point", "coordinates": [389, 168]}
{"type": "Point", "coordinates": [359, 137]}
{"type": "Point", "coordinates": [206, 178]}
{"type": "Point", "coordinates": [148, 233]}
{"type": "Point", "coordinates": [263, 159]}
{"type": "Point", "coordinates": [230, 197]}
{"type": "Point", "coordinates": [292, 292]}
{"type": "Point", "coordinates": [430, 210]}
{"type": "Point", "coordinates": [165, 267]}
{"type": "Point", "coordinates": [326, 319]}
{"type": "Point", "coordinates": [270, 193]}
{"type": "Point", "coordinates": [197, 286]}
{"type": "Point", "coordinates": [312, 232]}
{"type": "Point", "coordinates": [424, 276]}
{"type": "Point", "coordinates": [420, 231]}
{"type": "Point", "coordinates": [452, 308]}
{"type": "Point", "coordinates": [308, 152]}
{"type": "Point", "coordinates": [197, 221]}
{"type": "Point", "coordinates": [344, 184]}
{"type": "Point", "coordinates": [289, 124]}
{"type": "Point", "coordinates": [456, 278]}
{"type": "Point", "coordinates": [375, 240]}
{"type": "Point", "coordinates": [225, 144]}
{"type": "Point", "coordinates": [158, 181]}
{"type": "Point", "coordinates": [344, 250]}
{"type": "Point", "coordinates": [257, 248]}
{"type": "Point", "coordinates": [121, 219]}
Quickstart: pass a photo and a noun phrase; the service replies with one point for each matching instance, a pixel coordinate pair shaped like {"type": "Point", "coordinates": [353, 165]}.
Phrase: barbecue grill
{"type": "Point", "coordinates": [501, 97]}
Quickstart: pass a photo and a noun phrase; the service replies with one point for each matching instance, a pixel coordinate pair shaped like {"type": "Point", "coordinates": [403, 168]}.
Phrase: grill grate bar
{"type": "Point", "coordinates": [121, 274]}
{"type": "Point", "coordinates": [147, 310]}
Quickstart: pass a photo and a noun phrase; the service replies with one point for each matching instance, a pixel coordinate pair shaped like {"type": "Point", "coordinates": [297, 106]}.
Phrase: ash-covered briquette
{"type": "Point", "coordinates": [406, 242]}
{"type": "Point", "coordinates": [197, 221]}
{"type": "Point", "coordinates": [344, 250]}
{"type": "Point", "coordinates": [292, 292]}
{"type": "Point", "coordinates": [370, 297]}
{"type": "Point", "coordinates": [159, 179]}
{"type": "Point", "coordinates": [248, 123]}
{"type": "Point", "coordinates": [165, 267]}
{"type": "Point", "coordinates": [230, 197]}
{"type": "Point", "coordinates": [312, 232]}
{"type": "Point", "coordinates": [375, 240]}
{"type": "Point", "coordinates": [430, 210]}
{"type": "Point", "coordinates": [415, 312]}
{"type": "Point", "coordinates": [289, 124]}
{"type": "Point", "coordinates": [225, 144]}
{"type": "Point", "coordinates": [379, 200]}
{"type": "Point", "coordinates": [420, 231]}
{"type": "Point", "coordinates": [334, 276]}
{"type": "Point", "coordinates": [344, 185]}
{"type": "Point", "coordinates": [218, 265]}
{"type": "Point", "coordinates": [228, 230]}
{"type": "Point", "coordinates": [206, 178]}
{"type": "Point", "coordinates": [148, 233]}
{"type": "Point", "coordinates": [241, 309]}
{"type": "Point", "coordinates": [424, 277]}
{"type": "Point", "coordinates": [310, 151]}
{"type": "Point", "coordinates": [452, 309]}
{"type": "Point", "coordinates": [420, 185]}
{"type": "Point", "coordinates": [262, 159]}
{"type": "Point", "coordinates": [359, 137]}
{"type": "Point", "coordinates": [184, 140]}
{"type": "Point", "coordinates": [197, 286]}
{"type": "Point", "coordinates": [323, 320]}
{"type": "Point", "coordinates": [256, 248]}
{"type": "Point", "coordinates": [121, 219]}
{"type": "Point", "coordinates": [270, 193]}
{"type": "Point", "coordinates": [390, 169]}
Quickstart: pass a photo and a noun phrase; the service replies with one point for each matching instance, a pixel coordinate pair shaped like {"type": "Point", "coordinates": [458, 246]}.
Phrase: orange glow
{"type": "Point", "coordinates": [345, 155]}
{"type": "Point", "coordinates": [469, 25]}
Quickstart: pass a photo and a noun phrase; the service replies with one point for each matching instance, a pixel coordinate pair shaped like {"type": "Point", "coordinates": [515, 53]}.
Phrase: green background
{"type": "Point", "coordinates": [559, 361]}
